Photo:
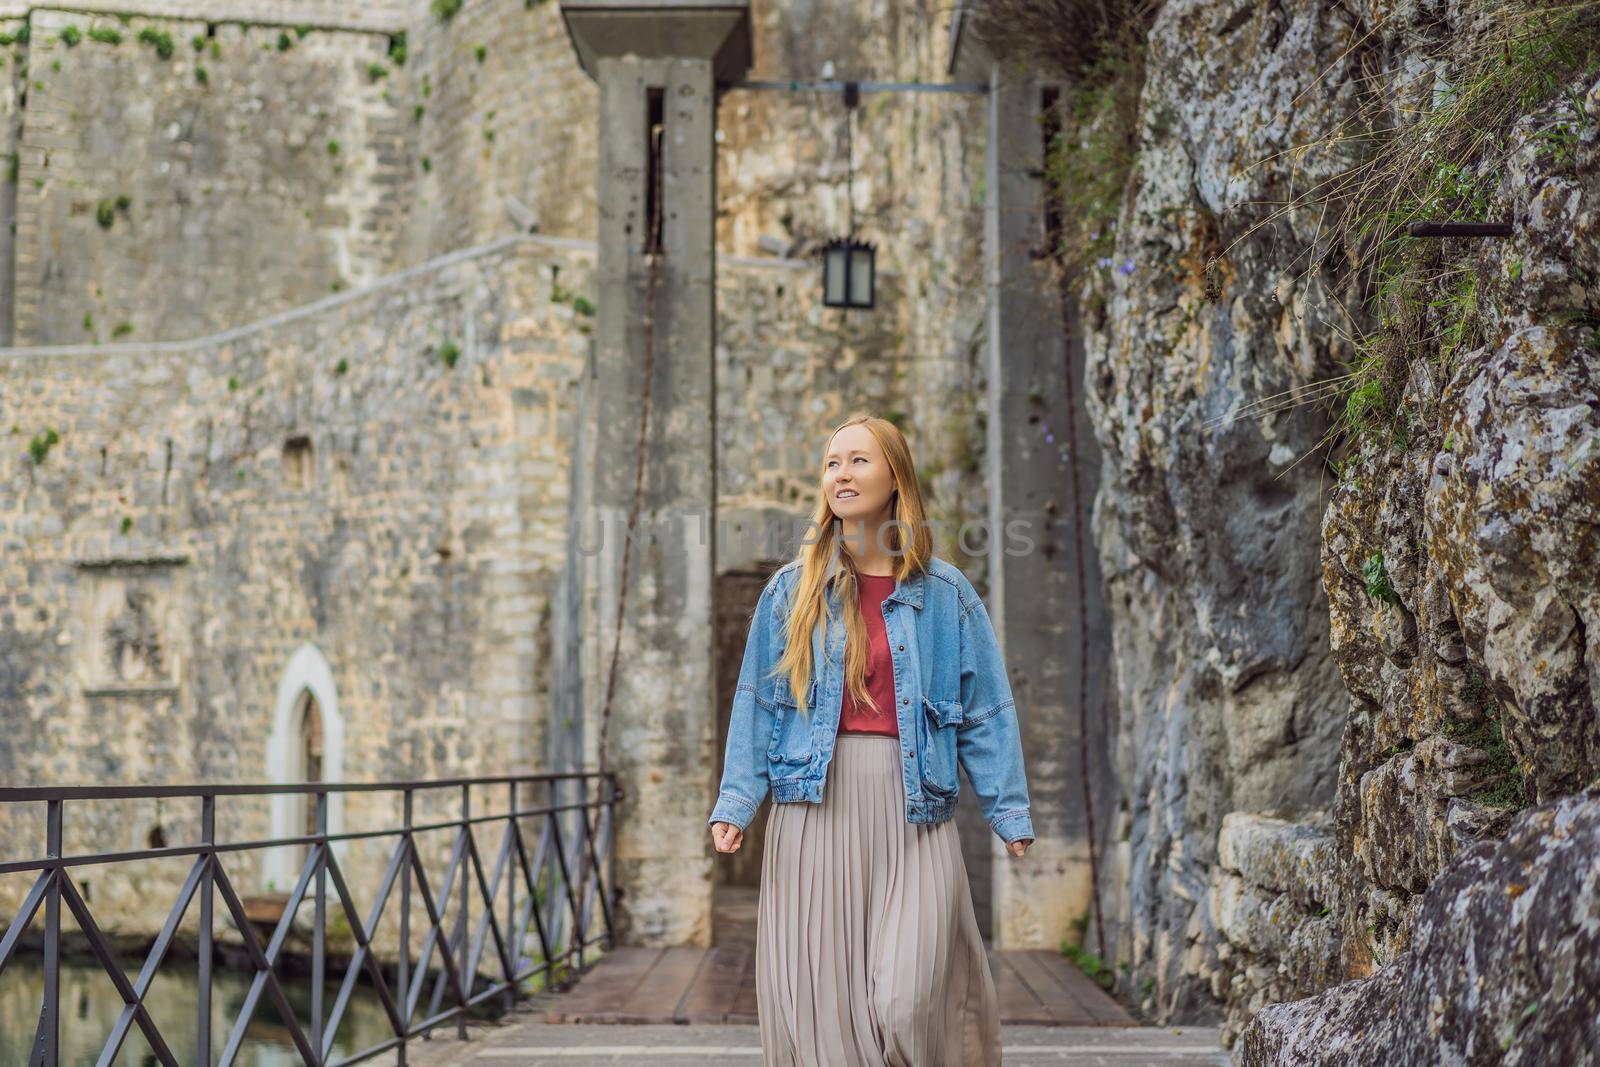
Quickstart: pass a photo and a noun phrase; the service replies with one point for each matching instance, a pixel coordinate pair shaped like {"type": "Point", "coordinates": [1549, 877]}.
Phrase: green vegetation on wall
{"type": "Point", "coordinates": [1422, 293]}
{"type": "Point", "coordinates": [160, 40]}
{"type": "Point", "coordinates": [40, 445]}
{"type": "Point", "coordinates": [1098, 50]}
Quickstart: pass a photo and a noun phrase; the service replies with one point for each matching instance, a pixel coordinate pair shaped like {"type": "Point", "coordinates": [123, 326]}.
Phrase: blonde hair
{"type": "Point", "coordinates": [829, 559]}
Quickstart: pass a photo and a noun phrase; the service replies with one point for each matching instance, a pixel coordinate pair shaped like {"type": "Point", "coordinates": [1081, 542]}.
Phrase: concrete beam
{"type": "Point", "coordinates": [654, 363]}
{"type": "Point", "coordinates": [1043, 464]}
{"type": "Point", "coordinates": [718, 30]}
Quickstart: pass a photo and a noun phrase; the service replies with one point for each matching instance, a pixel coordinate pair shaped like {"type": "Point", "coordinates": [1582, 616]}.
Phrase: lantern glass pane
{"type": "Point", "coordinates": [833, 265]}
{"type": "Point", "coordinates": [861, 277]}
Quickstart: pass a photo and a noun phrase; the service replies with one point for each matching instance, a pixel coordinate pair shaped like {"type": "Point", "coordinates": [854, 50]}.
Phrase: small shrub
{"type": "Point", "coordinates": [333, 147]}
{"type": "Point", "coordinates": [449, 352]}
{"type": "Point", "coordinates": [88, 321]}
{"type": "Point", "coordinates": [445, 10]}
{"type": "Point", "coordinates": [582, 306]}
{"type": "Point", "coordinates": [342, 366]}
{"type": "Point", "coordinates": [427, 164]}
{"type": "Point", "coordinates": [233, 383]}
{"type": "Point", "coordinates": [1507, 785]}
{"type": "Point", "coordinates": [41, 444]}
{"type": "Point", "coordinates": [301, 31]}
{"type": "Point", "coordinates": [105, 35]}
{"type": "Point", "coordinates": [122, 329]}
{"type": "Point", "coordinates": [1377, 578]}
{"type": "Point", "coordinates": [397, 49]}
{"type": "Point", "coordinates": [160, 40]}
{"type": "Point", "coordinates": [285, 42]}
{"type": "Point", "coordinates": [70, 36]}
{"type": "Point", "coordinates": [198, 42]}
{"type": "Point", "coordinates": [376, 71]}
{"type": "Point", "coordinates": [105, 213]}
{"type": "Point", "coordinates": [201, 75]}
{"type": "Point", "coordinates": [417, 112]}
{"type": "Point", "coordinates": [481, 51]}
{"type": "Point", "coordinates": [1093, 967]}
{"type": "Point", "coordinates": [127, 524]}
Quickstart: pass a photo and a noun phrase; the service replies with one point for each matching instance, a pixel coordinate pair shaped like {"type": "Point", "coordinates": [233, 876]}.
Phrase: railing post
{"type": "Point", "coordinates": [319, 932]}
{"type": "Point", "coordinates": [462, 919]}
{"type": "Point", "coordinates": [514, 943]}
{"type": "Point", "coordinates": [584, 845]}
{"type": "Point", "coordinates": [402, 979]}
{"type": "Point", "coordinates": [558, 914]}
{"type": "Point", "coordinates": [47, 1039]}
{"type": "Point", "coordinates": [611, 857]}
{"type": "Point", "coordinates": [208, 838]}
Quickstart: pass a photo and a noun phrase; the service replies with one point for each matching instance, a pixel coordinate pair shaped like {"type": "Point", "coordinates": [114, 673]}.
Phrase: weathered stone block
{"type": "Point", "coordinates": [1503, 968]}
{"type": "Point", "coordinates": [1287, 857]}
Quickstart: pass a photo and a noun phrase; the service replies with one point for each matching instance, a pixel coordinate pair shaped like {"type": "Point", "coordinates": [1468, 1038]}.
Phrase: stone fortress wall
{"type": "Point", "coordinates": [262, 296]}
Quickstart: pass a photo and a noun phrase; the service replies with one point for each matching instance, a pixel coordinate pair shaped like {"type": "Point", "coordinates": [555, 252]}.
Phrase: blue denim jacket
{"type": "Point", "coordinates": [952, 698]}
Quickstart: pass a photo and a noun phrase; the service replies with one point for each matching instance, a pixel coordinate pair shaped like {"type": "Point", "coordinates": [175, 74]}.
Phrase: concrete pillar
{"type": "Point", "coordinates": [654, 341]}
{"type": "Point", "coordinates": [1047, 604]}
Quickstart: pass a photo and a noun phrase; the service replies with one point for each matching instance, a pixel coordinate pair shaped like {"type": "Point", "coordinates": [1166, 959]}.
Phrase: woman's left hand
{"type": "Point", "coordinates": [1019, 846]}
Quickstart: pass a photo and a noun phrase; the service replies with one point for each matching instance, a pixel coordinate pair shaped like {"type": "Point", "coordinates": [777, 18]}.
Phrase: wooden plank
{"type": "Point", "coordinates": [1018, 1005]}
{"type": "Point", "coordinates": [1058, 1008]}
{"type": "Point", "coordinates": [716, 989]}
{"type": "Point", "coordinates": [745, 1007]}
{"type": "Point", "coordinates": [1102, 1007]}
{"type": "Point", "coordinates": [608, 983]}
{"type": "Point", "coordinates": [657, 999]}
{"type": "Point", "coordinates": [686, 984]}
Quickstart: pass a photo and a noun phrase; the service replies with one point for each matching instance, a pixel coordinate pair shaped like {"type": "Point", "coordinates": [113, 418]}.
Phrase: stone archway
{"type": "Point", "coordinates": [307, 699]}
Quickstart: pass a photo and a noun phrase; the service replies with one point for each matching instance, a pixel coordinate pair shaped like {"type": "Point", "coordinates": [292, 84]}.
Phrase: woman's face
{"type": "Point", "coordinates": [855, 475]}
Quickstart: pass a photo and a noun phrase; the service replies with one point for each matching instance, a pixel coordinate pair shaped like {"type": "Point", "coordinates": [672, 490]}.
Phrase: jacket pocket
{"type": "Point", "coordinates": [938, 753]}
{"type": "Point", "coordinates": [790, 747]}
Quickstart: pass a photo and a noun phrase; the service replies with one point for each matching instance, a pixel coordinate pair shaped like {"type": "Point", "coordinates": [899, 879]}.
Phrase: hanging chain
{"type": "Point", "coordinates": [849, 168]}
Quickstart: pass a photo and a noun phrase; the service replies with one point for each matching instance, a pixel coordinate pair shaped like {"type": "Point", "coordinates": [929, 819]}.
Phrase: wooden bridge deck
{"type": "Point", "coordinates": [690, 985]}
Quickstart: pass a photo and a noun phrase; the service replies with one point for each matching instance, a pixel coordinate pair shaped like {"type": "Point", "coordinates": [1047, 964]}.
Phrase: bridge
{"type": "Point", "coordinates": [510, 947]}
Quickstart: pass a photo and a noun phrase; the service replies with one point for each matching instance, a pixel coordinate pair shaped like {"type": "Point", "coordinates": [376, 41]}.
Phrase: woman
{"type": "Point", "coordinates": [871, 671]}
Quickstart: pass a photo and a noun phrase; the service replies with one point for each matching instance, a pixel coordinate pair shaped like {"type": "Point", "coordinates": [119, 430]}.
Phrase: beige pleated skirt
{"type": "Point", "coordinates": [867, 946]}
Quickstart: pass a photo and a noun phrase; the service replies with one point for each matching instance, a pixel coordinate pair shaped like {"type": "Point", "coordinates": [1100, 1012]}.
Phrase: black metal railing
{"type": "Point", "coordinates": [525, 897]}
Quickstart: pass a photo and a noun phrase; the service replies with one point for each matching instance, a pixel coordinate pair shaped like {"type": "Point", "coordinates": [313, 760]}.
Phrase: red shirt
{"type": "Point", "coordinates": [854, 717]}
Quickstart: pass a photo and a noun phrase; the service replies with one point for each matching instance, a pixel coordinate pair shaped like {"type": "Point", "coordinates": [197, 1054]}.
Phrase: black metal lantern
{"type": "Point", "coordinates": [848, 269]}
{"type": "Point", "coordinates": [849, 266]}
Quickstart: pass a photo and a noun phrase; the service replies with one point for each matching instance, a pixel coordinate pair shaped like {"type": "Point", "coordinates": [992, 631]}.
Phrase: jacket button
{"type": "Point", "coordinates": [905, 700]}
{"type": "Point", "coordinates": [902, 648]}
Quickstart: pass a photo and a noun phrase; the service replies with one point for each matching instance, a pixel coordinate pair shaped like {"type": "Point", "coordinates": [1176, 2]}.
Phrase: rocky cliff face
{"type": "Point", "coordinates": [1340, 681]}
{"type": "Point", "coordinates": [1461, 572]}
{"type": "Point", "coordinates": [1504, 966]}
{"type": "Point", "coordinates": [1208, 517]}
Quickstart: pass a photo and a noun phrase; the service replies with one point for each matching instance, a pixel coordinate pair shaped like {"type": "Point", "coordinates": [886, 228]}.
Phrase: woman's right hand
{"type": "Point", "coordinates": [726, 836]}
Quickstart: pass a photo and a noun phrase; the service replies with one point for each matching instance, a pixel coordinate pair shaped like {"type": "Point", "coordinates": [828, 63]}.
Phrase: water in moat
{"type": "Point", "coordinates": [90, 1005]}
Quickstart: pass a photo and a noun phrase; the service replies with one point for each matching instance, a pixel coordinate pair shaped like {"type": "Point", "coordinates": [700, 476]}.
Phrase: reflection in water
{"type": "Point", "coordinates": [90, 1005]}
